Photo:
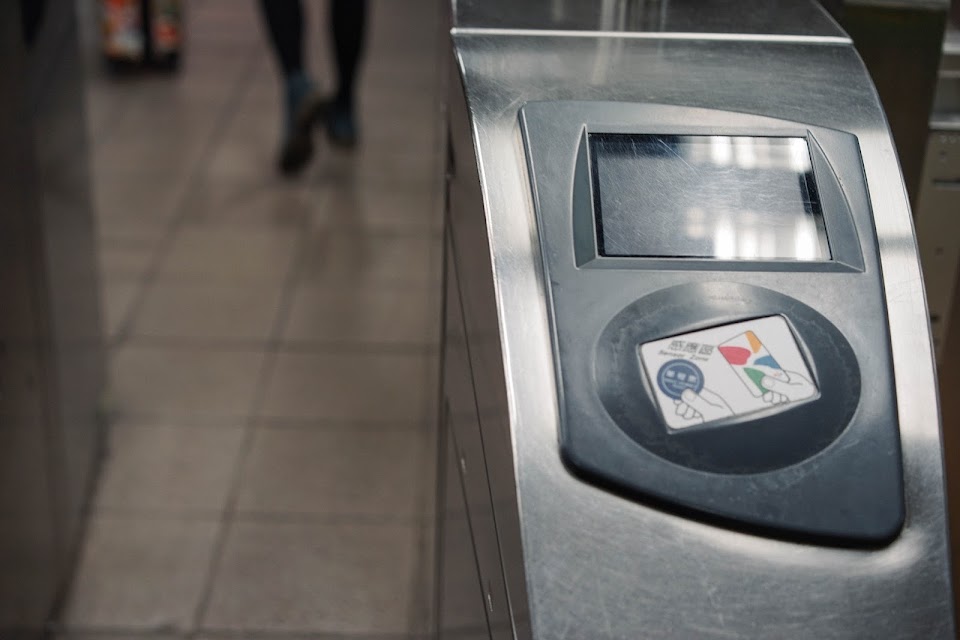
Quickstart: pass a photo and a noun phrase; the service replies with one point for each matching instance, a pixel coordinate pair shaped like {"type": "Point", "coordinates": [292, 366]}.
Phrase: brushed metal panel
{"type": "Point", "coordinates": [755, 17]}
{"type": "Point", "coordinates": [593, 564]}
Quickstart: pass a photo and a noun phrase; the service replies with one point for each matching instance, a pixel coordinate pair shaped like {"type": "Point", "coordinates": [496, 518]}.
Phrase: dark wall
{"type": "Point", "coordinates": [50, 350]}
{"type": "Point", "coordinates": [901, 47]}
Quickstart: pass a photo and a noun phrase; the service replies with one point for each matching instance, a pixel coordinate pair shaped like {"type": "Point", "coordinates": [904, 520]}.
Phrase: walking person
{"type": "Point", "coordinates": [305, 106]}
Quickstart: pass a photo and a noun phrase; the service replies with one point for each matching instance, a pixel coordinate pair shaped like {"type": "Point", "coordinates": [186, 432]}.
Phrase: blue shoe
{"type": "Point", "coordinates": [341, 126]}
{"type": "Point", "coordinates": [305, 108]}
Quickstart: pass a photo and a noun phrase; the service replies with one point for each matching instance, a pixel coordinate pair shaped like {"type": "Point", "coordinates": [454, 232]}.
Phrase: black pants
{"type": "Point", "coordinates": [347, 21]}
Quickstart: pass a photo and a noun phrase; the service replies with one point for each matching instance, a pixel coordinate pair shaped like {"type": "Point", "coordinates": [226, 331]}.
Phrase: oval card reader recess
{"type": "Point", "coordinates": [726, 372]}
{"type": "Point", "coordinates": [717, 304]}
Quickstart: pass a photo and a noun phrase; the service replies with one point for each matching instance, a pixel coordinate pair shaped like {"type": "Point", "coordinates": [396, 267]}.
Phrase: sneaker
{"type": "Point", "coordinates": [341, 126]}
{"type": "Point", "coordinates": [304, 112]}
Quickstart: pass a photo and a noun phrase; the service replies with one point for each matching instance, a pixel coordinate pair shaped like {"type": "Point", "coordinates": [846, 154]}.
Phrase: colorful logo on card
{"type": "Point", "coordinates": [752, 361]}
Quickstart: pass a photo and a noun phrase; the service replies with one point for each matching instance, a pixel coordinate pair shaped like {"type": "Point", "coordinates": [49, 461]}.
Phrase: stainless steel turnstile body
{"type": "Point", "coordinates": [526, 548]}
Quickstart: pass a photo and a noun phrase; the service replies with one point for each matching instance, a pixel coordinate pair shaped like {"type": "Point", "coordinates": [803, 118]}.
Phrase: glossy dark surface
{"type": "Point", "coordinates": [50, 352]}
{"type": "Point", "coordinates": [901, 47]}
{"type": "Point", "coordinates": [703, 193]}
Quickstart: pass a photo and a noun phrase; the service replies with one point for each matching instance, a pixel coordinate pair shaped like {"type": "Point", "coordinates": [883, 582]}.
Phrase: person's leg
{"type": "Point", "coordinates": [284, 21]}
{"type": "Point", "coordinates": [348, 19]}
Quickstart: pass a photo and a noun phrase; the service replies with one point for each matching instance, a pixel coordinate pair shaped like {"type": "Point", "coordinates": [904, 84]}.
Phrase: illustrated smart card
{"type": "Point", "coordinates": [752, 361]}
{"type": "Point", "coordinates": [727, 371]}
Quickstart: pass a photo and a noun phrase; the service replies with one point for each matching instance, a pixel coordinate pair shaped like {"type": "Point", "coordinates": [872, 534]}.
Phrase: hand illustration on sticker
{"type": "Point", "coordinates": [682, 381]}
{"type": "Point", "coordinates": [703, 406]}
{"type": "Point", "coordinates": [790, 389]}
{"type": "Point", "coordinates": [761, 373]}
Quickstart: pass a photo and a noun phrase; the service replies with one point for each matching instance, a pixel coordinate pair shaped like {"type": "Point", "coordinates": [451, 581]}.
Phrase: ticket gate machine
{"type": "Point", "coordinates": [688, 381]}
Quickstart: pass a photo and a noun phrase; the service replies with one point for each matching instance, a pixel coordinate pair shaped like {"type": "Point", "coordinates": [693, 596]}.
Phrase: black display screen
{"type": "Point", "coordinates": [719, 197]}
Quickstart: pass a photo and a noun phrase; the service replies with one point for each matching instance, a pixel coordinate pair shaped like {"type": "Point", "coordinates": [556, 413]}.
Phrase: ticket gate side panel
{"type": "Point", "coordinates": [469, 257]}
{"type": "Point", "coordinates": [470, 480]}
{"type": "Point", "coordinates": [601, 566]}
{"type": "Point", "coordinates": [460, 603]}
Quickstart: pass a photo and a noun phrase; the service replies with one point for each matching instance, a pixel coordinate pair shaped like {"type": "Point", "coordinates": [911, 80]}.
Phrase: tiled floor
{"type": "Point", "coordinates": [273, 346]}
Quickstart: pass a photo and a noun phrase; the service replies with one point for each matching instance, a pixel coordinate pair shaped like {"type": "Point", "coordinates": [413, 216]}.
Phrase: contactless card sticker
{"type": "Point", "coordinates": [727, 371]}
{"type": "Point", "coordinates": [752, 361]}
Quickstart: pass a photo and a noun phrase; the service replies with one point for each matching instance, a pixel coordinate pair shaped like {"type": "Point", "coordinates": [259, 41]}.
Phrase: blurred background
{"type": "Point", "coordinates": [218, 385]}
{"type": "Point", "coordinates": [270, 345]}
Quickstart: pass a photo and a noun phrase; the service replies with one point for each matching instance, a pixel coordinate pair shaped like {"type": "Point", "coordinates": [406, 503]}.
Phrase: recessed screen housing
{"type": "Point", "coordinates": [697, 196]}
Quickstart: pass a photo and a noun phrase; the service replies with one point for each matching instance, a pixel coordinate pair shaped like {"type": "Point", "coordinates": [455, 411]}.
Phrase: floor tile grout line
{"type": "Point", "coordinates": [229, 634]}
{"type": "Point", "coordinates": [266, 369]}
{"type": "Point", "coordinates": [397, 228]}
{"type": "Point", "coordinates": [411, 521]}
{"type": "Point", "coordinates": [329, 283]}
{"type": "Point", "coordinates": [250, 428]}
{"type": "Point", "coordinates": [231, 513]}
{"type": "Point", "coordinates": [189, 421]}
{"type": "Point", "coordinates": [422, 600]}
{"type": "Point", "coordinates": [418, 606]}
{"type": "Point", "coordinates": [304, 347]}
{"type": "Point", "coordinates": [95, 632]}
{"type": "Point", "coordinates": [142, 514]}
{"type": "Point", "coordinates": [221, 126]}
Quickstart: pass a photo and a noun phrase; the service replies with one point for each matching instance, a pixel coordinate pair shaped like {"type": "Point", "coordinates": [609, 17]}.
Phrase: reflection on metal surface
{"type": "Point", "coordinates": [578, 561]}
{"type": "Point", "coordinates": [724, 197]}
{"type": "Point", "coordinates": [461, 609]}
{"type": "Point", "coordinates": [467, 490]}
{"type": "Point", "coordinates": [492, 484]}
{"type": "Point", "coordinates": [901, 4]}
{"type": "Point", "coordinates": [717, 17]}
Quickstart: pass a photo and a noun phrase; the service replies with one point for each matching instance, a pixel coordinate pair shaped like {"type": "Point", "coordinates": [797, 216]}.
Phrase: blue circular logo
{"type": "Point", "coordinates": [678, 375]}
